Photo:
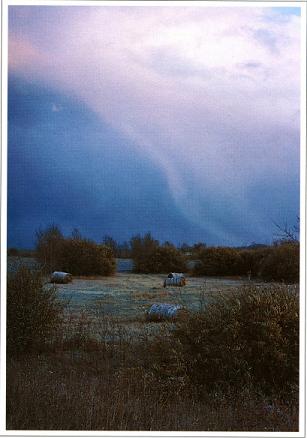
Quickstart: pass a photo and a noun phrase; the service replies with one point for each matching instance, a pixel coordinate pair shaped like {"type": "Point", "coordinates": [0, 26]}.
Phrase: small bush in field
{"type": "Point", "coordinates": [34, 312]}
{"type": "Point", "coordinates": [247, 337]}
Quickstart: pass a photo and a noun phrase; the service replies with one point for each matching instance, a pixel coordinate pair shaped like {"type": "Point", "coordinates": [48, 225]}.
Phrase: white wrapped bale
{"type": "Point", "coordinates": [60, 277]}
{"type": "Point", "coordinates": [162, 311]}
{"type": "Point", "coordinates": [175, 279]}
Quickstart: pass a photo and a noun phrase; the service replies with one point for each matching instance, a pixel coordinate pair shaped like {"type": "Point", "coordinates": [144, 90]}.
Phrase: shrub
{"type": "Point", "coordinates": [76, 255]}
{"type": "Point", "coordinates": [282, 263]}
{"type": "Point", "coordinates": [251, 260]}
{"type": "Point", "coordinates": [247, 337]}
{"type": "Point", "coordinates": [279, 262]}
{"type": "Point", "coordinates": [149, 257]}
{"type": "Point", "coordinates": [141, 250]}
{"type": "Point", "coordinates": [49, 245]}
{"type": "Point", "coordinates": [218, 261]}
{"type": "Point", "coordinates": [84, 257]}
{"type": "Point", "coordinates": [165, 259]}
{"type": "Point", "coordinates": [34, 312]}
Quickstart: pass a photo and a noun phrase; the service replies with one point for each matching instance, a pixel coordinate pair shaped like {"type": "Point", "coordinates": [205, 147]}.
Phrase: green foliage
{"type": "Point", "coordinates": [34, 312]}
{"type": "Point", "coordinates": [247, 337]}
{"type": "Point", "coordinates": [76, 255]}
{"type": "Point", "coordinates": [150, 257]}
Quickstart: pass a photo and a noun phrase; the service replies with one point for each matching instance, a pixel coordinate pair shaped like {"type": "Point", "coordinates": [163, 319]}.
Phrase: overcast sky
{"type": "Point", "coordinates": [182, 121]}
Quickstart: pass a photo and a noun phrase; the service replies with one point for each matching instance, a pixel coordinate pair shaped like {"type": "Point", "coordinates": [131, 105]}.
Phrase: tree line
{"type": "Point", "coordinates": [82, 256]}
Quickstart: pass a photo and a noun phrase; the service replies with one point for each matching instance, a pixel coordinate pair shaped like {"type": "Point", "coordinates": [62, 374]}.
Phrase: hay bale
{"type": "Point", "coordinates": [60, 277]}
{"type": "Point", "coordinates": [175, 279]}
{"type": "Point", "coordinates": [163, 311]}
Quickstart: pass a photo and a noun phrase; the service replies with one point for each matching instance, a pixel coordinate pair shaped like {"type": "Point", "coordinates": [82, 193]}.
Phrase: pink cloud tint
{"type": "Point", "coordinates": [211, 95]}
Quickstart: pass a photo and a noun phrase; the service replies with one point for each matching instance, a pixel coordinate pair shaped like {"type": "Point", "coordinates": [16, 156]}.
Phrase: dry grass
{"type": "Point", "coordinates": [102, 391]}
{"type": "Point", "coordinates": [152, 296]}
{"type": "Point", "coordinates": [109, 369]}
{"type": "Point", "coordinates": [120, 382]}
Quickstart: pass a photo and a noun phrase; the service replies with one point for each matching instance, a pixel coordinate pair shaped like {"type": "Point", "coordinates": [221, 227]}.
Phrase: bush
{"type": "Point", "coordinates": [149, 257]}
{"type": "Point", "coordinates": [141, 250]}
{"type": "Point", "coordinates": [282, 263]}
{"type": "Point", "coordinates": [251, 260]}
{"type": "Point", "coordinates": [218, 261]}
{"type": "Point", "coordinates": [49, 244]}
{"type": "Point", "coordinates": [34, 312]}
{"type": "Point", "coordinates": [279, 262]}
{"type": "Point", "coordinates": [165, 259]}
{"type": "Point", "coordinates": [76, 255]}
{"type": "Point", "coordinates": [83, 257]}
{"type": "Point", "coordinates": [247, 337]}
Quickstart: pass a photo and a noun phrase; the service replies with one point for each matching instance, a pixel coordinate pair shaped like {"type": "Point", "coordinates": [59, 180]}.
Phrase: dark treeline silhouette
{"type": "Point", "coordinates": [276, 262]}
{"type": "Point", "coordinates": [81, 256]}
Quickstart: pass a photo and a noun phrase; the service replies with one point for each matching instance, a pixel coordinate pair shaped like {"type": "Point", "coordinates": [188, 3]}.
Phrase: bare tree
{"type": "Point", "coordinates": [287, 233]}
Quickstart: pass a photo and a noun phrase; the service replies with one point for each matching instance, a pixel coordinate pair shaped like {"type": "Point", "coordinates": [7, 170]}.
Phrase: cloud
{"type": "Point", "coordinates": [210, 95]}
{"type": "Point", "coordinates": [22, 53]}
{"type": "Point", "coordinates": [56, 108]}
{"type": "Point", "coordinates": [54, 178]}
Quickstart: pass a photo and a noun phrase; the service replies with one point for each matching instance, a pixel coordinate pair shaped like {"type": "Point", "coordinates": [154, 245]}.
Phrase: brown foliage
{"type": "Point", "coordinates": [250, 336]}
{"type": "Point", "coordinates": [34, 312]}
{"type": "Point", "coordinates": [76, 255]}
{"type": "Point", "coordinates": [150, 257]}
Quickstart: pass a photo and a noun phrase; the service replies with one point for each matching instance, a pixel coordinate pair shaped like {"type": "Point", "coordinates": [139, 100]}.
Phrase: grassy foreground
{"type": "Point", "coordinates": [102, 391]}
{"type": "Point", "coordinates": [230, 366]}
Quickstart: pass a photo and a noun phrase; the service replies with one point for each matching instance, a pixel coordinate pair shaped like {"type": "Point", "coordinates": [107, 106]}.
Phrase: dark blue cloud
{"type": "Point", "coordinates": [213, 111]}
{"type": "Point", "coordinates": [66, 167]}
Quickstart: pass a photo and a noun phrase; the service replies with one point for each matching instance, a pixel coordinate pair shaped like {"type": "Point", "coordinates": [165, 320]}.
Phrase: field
{"type": "Point", "coordinates": [109, 368]}
{"type": "Point", "coordinates": [125, 297]}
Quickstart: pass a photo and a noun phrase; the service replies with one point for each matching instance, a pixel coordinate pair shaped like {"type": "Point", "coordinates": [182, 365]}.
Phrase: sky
{"type": "Point", "coordinates": [182, 121]}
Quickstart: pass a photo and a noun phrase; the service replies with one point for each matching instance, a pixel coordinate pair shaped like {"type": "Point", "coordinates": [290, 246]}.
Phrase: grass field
{"type": "Point", "coordinates": [109, 368]}
{"type": "Point", "coordinates": [128, 295]}
{"type": "Point", "coordinates": [125, 297]}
